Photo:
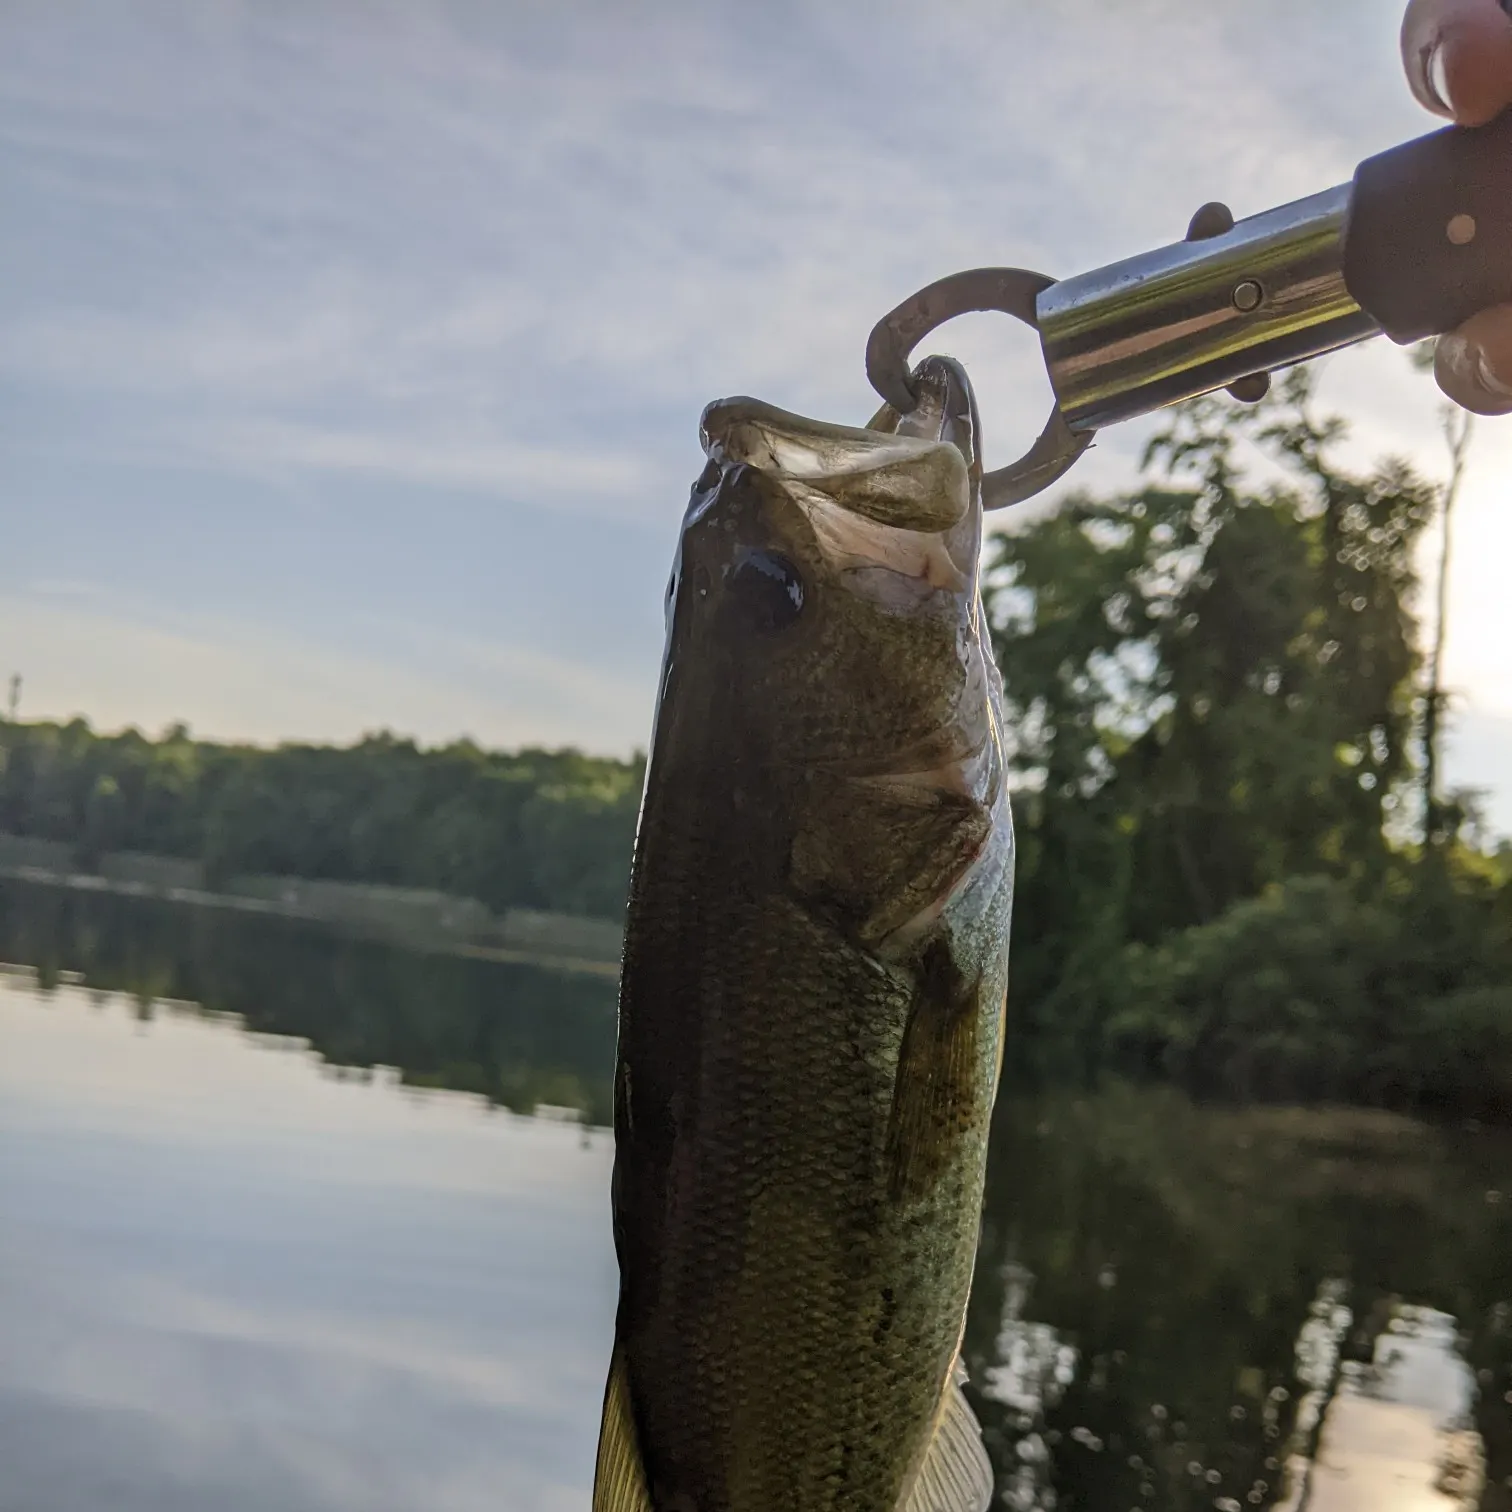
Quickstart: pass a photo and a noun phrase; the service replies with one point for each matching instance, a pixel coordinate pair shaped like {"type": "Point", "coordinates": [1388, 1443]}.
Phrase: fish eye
{"type": "Point", "coordinates": [766, 590]}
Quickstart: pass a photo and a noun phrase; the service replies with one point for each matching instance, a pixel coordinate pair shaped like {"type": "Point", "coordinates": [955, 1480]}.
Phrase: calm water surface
{"type": "Point", "coordinates": [253, 1257]}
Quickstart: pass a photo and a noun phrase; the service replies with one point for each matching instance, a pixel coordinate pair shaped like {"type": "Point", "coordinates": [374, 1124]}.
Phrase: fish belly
{"type": "Point", "coordinates": [798, 1199]}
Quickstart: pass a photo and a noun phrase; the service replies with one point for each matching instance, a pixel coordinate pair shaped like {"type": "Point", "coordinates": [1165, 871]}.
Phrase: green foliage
{"type": "Point", "coordinates": [1211, 699]}
{"type": "Point", "coordinates": [1277, 988]}
{"type": "Point", "coordinates": [535, 829]}
{"type": "Point", "coordinates": [1211, 689]}
{"type": "Point", "coordinates": [1313, 991]}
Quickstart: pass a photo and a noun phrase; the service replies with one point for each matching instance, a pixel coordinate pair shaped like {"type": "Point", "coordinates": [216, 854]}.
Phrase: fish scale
{"type": "Point", "coordinates": [811, 998]}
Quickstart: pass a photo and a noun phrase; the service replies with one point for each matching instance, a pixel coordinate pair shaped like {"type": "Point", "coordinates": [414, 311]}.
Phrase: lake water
{"type": "Point", "coordinates": [245, 1266]}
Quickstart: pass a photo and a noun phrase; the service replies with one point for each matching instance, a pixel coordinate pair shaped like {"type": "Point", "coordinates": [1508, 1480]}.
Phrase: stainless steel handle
{"type": "Point", "coordinates": [1414, 246]}
{"type": "Point", "coordinates": [1165, 326]}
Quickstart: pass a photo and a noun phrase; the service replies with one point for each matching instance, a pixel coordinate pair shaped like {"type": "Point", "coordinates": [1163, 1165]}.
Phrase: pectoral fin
{"type": "Point", "coordinates": [619, 1484]}
{"type": "Point", "coordinates": [956, 1475]}
{"type": "Point", "coordinates": [939, 1094]}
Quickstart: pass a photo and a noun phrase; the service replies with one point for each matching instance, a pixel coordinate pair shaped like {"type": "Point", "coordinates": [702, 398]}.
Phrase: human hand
{"type": "Point", "coordinates": [1459, 63]}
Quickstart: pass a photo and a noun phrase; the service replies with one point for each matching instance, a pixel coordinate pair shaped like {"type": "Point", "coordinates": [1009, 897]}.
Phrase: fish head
{"type": "Point", "coordinates": [825, 618]}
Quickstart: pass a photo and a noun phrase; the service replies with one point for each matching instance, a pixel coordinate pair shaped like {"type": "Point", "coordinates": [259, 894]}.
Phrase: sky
{"type": "Point", "coordinates": [352, 354]}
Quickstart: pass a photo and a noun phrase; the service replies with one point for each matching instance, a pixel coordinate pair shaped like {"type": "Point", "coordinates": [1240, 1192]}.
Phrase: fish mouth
{"type": "Point", "coordinates": [889, 514]}
{"type": "Point", "coordinates": [895, 508]}
{"type": "Point", "coordinates": [875, 712]}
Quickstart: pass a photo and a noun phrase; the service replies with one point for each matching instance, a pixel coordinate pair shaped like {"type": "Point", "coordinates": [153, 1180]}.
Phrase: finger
{"type": "Point", "coordinates": [1473, 365]}
{"type": "Point", "coordinates": [1459, 57]}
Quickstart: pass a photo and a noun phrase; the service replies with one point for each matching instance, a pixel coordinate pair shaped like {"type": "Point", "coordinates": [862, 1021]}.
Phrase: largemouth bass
{"type": "Point", "coordinates": [814, 978]}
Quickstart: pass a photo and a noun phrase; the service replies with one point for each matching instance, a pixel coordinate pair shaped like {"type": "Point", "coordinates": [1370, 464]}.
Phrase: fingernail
{"type": "Point", "coordinates": [1486, 376]}
{"type": "Point", "coordinates": [1466, 374]}
{"type": "Point", "coordinates": [1436, 74]}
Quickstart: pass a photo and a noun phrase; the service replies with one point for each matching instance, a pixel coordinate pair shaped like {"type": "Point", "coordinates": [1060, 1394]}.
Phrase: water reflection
{"type": "Point", "coordinates": [1319, 1357]}
{"type": "Point", "coordinates": [1034, 1367]}
{"type": "Point", "coordinates": [1176, 1306]}
{"type": "Point", "coordinates": [308, 1279]}
{"type": "Point", "coordinates": [517, 1035]}
{"type": "Point", "coordinates": [230, 1282]}
{"type": "Point", "coordinates": [1399, 1433]}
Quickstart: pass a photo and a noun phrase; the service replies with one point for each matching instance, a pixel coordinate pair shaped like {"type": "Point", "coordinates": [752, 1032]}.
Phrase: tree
{"type": "Point", "coordinates": [1459, 429]}
{"type": "Point", "coordinates": [538, 829]}
{"type": "Point", "coordinates": [1209, 686]}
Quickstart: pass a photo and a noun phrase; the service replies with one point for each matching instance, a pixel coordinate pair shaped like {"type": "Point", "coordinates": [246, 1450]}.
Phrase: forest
{"type": "Point", "coordinates": [533, 829]}
{"type": "Point", "coordinates": [1235, 872]}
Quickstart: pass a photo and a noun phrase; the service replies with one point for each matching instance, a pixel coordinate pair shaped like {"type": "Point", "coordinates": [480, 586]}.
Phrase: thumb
{"type": "Point", "coordinates": [1473, 365]}
{"type": "Point", "coordinates": [1458, 55]}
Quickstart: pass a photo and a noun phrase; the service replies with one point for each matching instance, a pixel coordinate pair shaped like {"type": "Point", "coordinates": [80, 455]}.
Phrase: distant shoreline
{"type": "Point", "coordinates": [372, 925]}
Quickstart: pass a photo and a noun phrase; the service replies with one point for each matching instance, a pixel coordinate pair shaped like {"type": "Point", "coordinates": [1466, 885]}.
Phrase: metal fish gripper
{"type": "Point", "coordinates": [1415, 244]}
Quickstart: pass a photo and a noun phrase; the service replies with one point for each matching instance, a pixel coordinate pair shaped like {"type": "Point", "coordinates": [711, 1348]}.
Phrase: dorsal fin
{"type": "Point", "coordinates": [619, 1483]}
{"type": "Point", "coordinates": [956, 1475]}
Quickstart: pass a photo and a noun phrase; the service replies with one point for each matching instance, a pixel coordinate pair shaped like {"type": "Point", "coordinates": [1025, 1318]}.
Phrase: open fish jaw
{"type": "Point", "coordinates": [903, 480]}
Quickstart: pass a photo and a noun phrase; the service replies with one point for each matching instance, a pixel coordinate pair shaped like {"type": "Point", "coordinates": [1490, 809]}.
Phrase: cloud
{"type": "Point", "coordinates": [461, 250]}
{"type": "Point", "coordinates": [286, 349]}
{"type": "Point", "coordinates": [123, 664]}
{"type": "Point", "coordinates": [467, 462]}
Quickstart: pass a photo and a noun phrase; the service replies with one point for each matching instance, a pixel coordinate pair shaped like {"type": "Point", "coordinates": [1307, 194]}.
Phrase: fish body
{"type": "Point", "coordinates": [813, 983]}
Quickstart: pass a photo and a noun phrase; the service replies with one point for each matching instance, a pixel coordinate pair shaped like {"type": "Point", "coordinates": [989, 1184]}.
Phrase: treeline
{"type": "Point", "coordinates": [1215, 708]}
{"type": "Point", "coordinates": [537, 829]}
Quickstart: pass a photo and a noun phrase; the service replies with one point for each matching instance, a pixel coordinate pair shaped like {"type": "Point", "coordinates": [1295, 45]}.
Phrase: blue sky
{"type": "Point", "coordinates": [351, 354]}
